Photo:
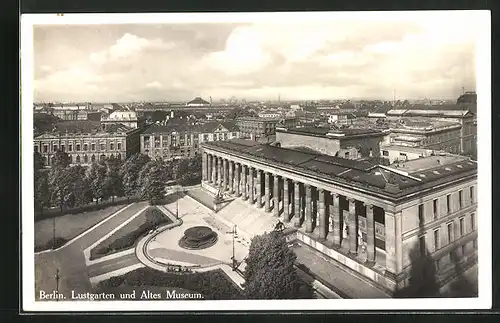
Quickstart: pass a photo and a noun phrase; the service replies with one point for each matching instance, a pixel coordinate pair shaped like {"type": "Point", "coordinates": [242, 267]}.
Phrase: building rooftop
{"type": "Point", "coordinates": [87, 126]}
{"type": "Point", "coordinates": [181, 125]}
{"type": "Point", "coordinates": [388, 181]}
{"type": "Point", "coordinates": [415, 150]}
{"type": "Point", "coordinates": [456, 111]}
{"type": "Point", "coordinates": [256, 119]}
{"type": "Point", "coordinates": [198, 100]}
{"type": "Point", "coordinates": [334, 132]}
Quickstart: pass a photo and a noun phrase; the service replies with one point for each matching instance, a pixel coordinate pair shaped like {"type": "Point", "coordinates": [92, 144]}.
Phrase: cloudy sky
{"type": "Point", "coordinates": [430, 56]}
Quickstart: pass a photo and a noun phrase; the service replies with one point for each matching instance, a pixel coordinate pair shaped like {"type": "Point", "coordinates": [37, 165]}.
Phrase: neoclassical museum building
{"type": "Point", "coordinates": [386, 224]}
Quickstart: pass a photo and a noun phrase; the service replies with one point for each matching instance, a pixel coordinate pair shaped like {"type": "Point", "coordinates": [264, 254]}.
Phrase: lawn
{"type": "Point", "coordinates": [68, 226]}
{"type": "Point", "coordinates": [213, 285]}
{"type": "Point", "coordinates": [127, 236]}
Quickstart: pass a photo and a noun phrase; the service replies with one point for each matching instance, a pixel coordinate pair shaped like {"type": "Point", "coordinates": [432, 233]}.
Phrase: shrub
{"type": "Point", "coordinates": [52, 244]}
{"type": "Point", "coordinates": [211, 284]}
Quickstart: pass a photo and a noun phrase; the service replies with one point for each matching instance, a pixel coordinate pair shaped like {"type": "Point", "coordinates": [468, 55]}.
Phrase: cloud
{"type": "Point", "coordinates": [154, 85]}
{"type": "Point", "coordinates": [346, 59]}
{"type": "Point", "coordinates": [128, 46]}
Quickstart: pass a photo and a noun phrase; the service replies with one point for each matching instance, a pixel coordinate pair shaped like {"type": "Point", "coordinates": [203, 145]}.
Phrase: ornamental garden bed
{"type": "Point", "coordinates": [213, 285]}
{"type": "Point", "coordinates": [127, 236]}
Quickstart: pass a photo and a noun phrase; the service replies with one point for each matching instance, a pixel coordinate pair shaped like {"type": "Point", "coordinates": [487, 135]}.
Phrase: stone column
{"type": "Point", "coordinates": [353, 233]}
{"type": "Point", "coordinates": [237, 178]}
{"type": "Point", "coordinates": [267, 192]}
{"type": "Point", "coordinates": [251, 186]}
{"type": "Point", "coordinates": [224, 174]}
{"type": "Point", "coordinates": [370, 233]}
{"type": "Point", "coordinates": [296, 204]}
{"type": "Point", "coordinates": [243, 188]}
{"type": "Point", "coordinates": [336, 229]}
{"type": "Point", "coordinates": [276, 197]}
{"type": "Point", "coordinates": [393, 241]}
{"type": "Point", "coordinates": [286, 211]}
{"type": "Point", "coordinates": [309, 222]}
{"type": "Point", "coordinates": [219, 171]}
{"type": "Point", "coordinates": [209, 168]}
{"type": "Point", "coordinates": [214, 170]}
{"type": "Point", "coordinates": [203, 166]}
{"type": "Point", "coordinates": [322, 215]}
{"type": "Point", "coordinates": [231, 178]}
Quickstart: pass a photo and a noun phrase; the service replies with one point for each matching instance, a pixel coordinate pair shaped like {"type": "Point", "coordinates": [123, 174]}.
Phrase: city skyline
{"type": "Point", "coordinates": [430, 56]}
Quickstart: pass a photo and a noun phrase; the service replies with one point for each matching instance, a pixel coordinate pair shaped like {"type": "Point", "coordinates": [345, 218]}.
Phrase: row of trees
{"type": "Point", "coordinates": [66, 186]}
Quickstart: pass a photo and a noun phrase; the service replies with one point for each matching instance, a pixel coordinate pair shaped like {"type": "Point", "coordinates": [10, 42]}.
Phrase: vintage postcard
{"type": "Point", "coordinates": [256, 161]}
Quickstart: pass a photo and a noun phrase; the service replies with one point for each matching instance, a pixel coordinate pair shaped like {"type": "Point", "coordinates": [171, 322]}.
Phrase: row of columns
{"type": "Point", "coordinates": [245, 182]}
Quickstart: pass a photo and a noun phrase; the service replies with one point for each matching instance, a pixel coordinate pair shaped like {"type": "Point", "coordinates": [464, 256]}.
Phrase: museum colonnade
{"type": "Point", "coordinates": [326, 214]}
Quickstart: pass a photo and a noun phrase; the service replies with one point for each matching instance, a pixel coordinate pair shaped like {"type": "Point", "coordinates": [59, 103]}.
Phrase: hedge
{"type": "Point", "coordinates": [213, 284]}
{"type": "Point", "coordinates": [52, 244]}
{"type": "Point", "coordinates": [154, 218]}
{"type": "Point", "coordinates": [54, 213]}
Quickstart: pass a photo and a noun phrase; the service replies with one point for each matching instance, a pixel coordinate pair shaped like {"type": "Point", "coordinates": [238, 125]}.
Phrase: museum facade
{"type": "Point", "coordinates": [384, 224]}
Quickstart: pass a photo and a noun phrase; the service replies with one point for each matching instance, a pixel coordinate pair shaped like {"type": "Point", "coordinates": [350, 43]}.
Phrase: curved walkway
{"type": "Point", "coordinates": [161, 258]}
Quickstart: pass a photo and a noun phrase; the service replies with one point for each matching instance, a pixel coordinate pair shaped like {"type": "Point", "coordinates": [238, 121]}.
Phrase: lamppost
{"type": "Point", "coordinates": [177, 201]}
{"type": "Point", "coordinates": [57, 282]}
{"type": "Point", "coordinates": [233, 258]}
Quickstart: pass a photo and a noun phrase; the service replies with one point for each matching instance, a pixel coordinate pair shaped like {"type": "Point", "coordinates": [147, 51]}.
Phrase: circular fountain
{"type": "Point", "coordinates": [199, 237]}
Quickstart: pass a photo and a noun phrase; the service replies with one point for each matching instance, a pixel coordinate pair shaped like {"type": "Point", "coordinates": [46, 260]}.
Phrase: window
{"type": "Point", "coordinates": [464, 250]}
{"type": "Point", "coordinates": [92, 146]}
{"type": "Point", "coordinates": [85, 159]}
{"type": "Point", "coordinates": [119, 146]}
{"type": "Point", "coordinates": [70, 147]}
{"type": "Point", "coordinates": [85, 147]}
{"type": "Point", "coordinates": [435, 208]}
{"type": "Point", "coordinates": [472, 194]}
{"type": "Point", "coordinates": [472, 222]}
{"type": "Point", "coordinates": [54, 147]}
{"type": "Point", "coordinates": [225, 136]}
{"type": "Point", "coordinates": [77, 147]}
{"type": "Point", "coordinates": [92, 158]}
{"type": "Point", "coordinates": [112, 146]}
{"type": "Point", "coordinates": [102, 147]}
{"type": "Point", "coordinates": [436, 239]}
{"type": "Point", "coordinates": [346, 155]}
{"type": "Point", "coordinates": [78, 159]}
{"type": "Point", "coordinates": [448, 207]}
{"type": "Point", "coordinates": [421, 219]}
{"type": "Point", "coordinates": [62, 148]}
{"type": "Point", "coordinates": [450, 232]}
{"type": "Point", "coordinates": [438, 263]}
{"type": "Point", "coordinates": [462, 229]}
{"type": "Point", "coordinates": [460, 199]}
{"type": "Point", "coordinates": [474, 243]}
{"type": "Point", "coordinates": [36, 149]}
{"type": "Point", "coordinates": [45, 148]}
{"type": "Point", "coordinates": [371, 152]}
{"type": "Point", "coordinates": [421, 241]}
{"type": "Point", "coordinates": [205, 137]}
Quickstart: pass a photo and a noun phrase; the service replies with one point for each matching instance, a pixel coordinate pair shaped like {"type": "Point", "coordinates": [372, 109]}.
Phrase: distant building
{"type": "Point", "coordinates": [469, 98]}
{"type": "Point", "coordinates": [467, 137]}
{"type": "Point", "coordinates": [333, 142]}
{"type": "Point", "coordinates": [197, 102]}
{"type": "Point", "coordinates": [376, 115]}
{"type": "Point", "coordinates": [270, 114]}
{"type": "Point", "coordinates": [127, 118]}
{"type": "Point", "coordinates": [395, 153]}
{"type": "Point", "coordinates": [437, 135]}
{"type": "Point", "coordinates": [341, 118]}
{"type": "Point", "coordinates": [178, 139]}
{"type": "Point", "coordinates": [254, 127]}
{"type": "Point", "coordinates": [87, 141]}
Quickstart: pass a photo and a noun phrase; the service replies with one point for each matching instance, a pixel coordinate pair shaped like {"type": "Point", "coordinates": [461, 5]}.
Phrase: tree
{"type": "Point", "coordinates": [79, 186]}
{"type": "Point", "coordinates": [112, 182]}
{"type": "Point", "coordinates": [158, 115]}
{"type": "Point", "coordinates": [153, 187]}
{"type": "Point", "coordinates": [60, 183]}
{"type": "Point", "coordinates": [38, 162]}
{"type": "Point", "coordinates": [60, 159]}
{"type": "Point", "coordinates": [129, 173]}
{"type": "Point", "coordinates": [96, 175]}
{"type": "Point", "coordinates": [271, 274]}
{"type": "Point", "coordinates": [42, 192]}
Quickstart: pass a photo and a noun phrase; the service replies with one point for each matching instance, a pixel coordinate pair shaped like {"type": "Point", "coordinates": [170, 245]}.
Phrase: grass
{"type": "Point", "coordinates": [67, 227]}
{"type": "Point", "coordinates": [127, 236]}
{"type": "Point", "coordinates": [214, 285]}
